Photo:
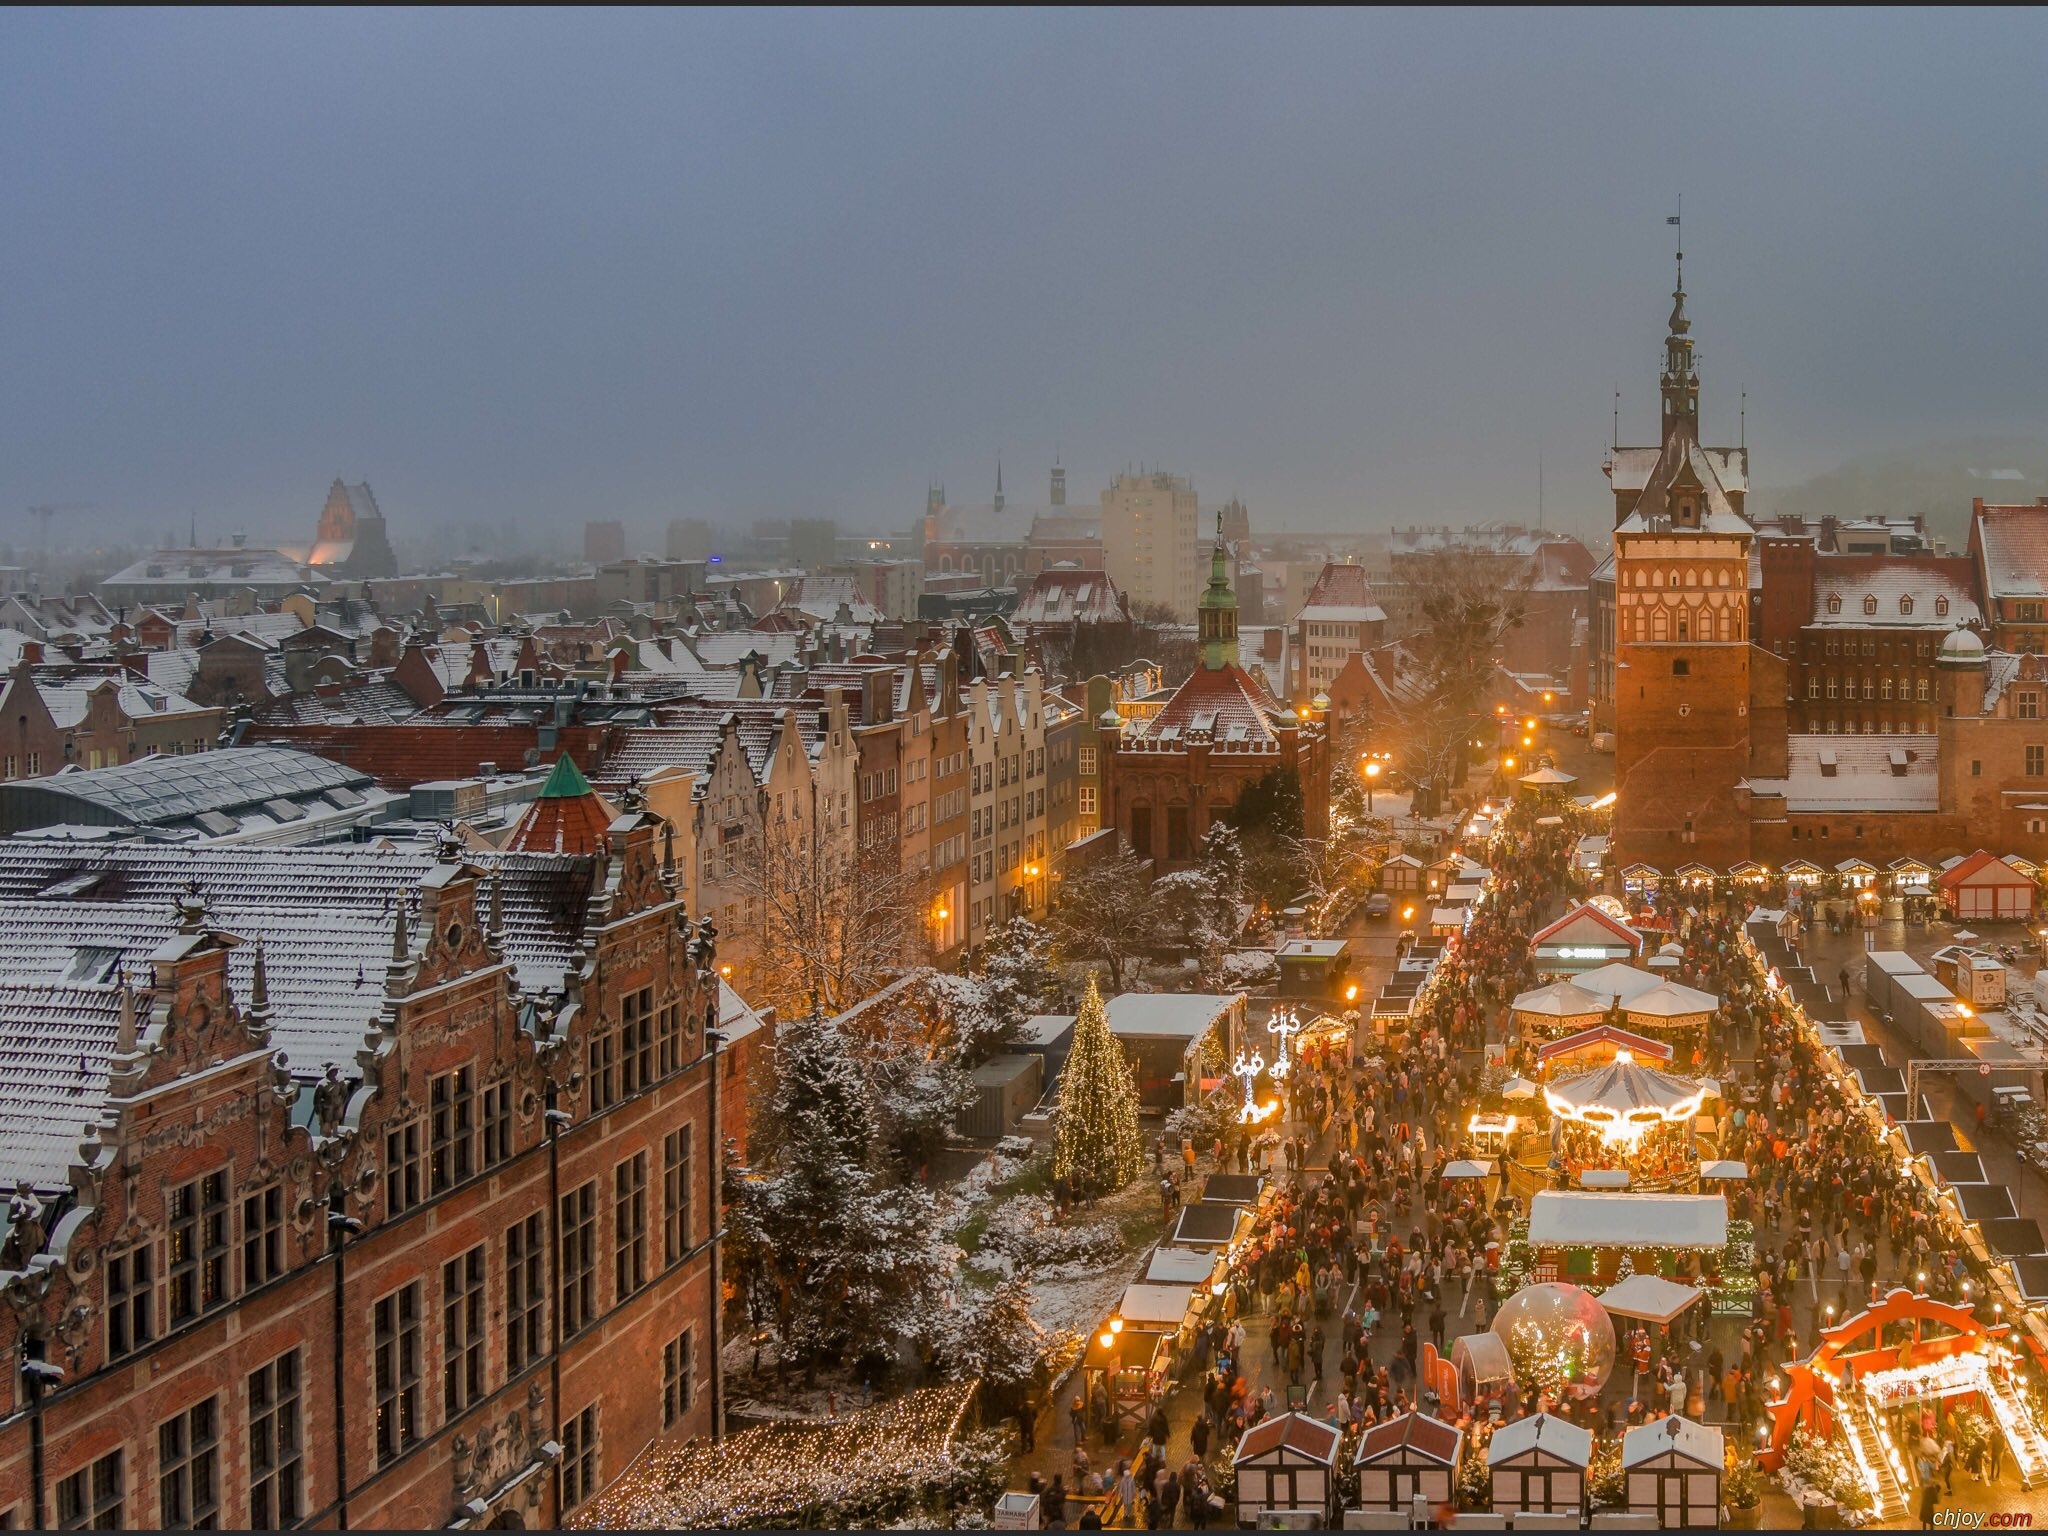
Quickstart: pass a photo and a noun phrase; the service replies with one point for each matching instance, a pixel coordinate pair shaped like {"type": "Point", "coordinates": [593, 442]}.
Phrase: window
{"type": "Point", "coordinates": [578, 1265]}
{"type": "Point", "coordinates": [401, 1168]}
{"type": "Point", "coordinates": [579, 1458]}
{"type": "Point", "coordinates": [1905, 602]}
{"type": "Point", "coordinates": [629, 1226]}
{"type": "Point", "coordinates": [188, 1468]}
{"type": "Point", "coordinates": [1681, 668]}
{"type": "Point", "coordinates": [2027, 706]}
{"type": "Point", "coordinates": [462, 1331]}
{"type": "Point", "coordinates": [2035, 766]}
{"type": "Point", "coordinates": [1831, 687]}
{"type": "Point", "coordinates": [669, 1039]}
{"type": "Point", "coordinates": [525, 1281]}
{"type": "Point", "coordinates": [676, 1152]}
{"type": "Point", "coordinates": [677, 1379]}
{"type": "Point", "coordinates": [275, 1445]}
{"type": "Point", "coordinates": [397, 1360]}
{"type": "Point", "coordinates": [636, 1041]}
{"type": "Point", "coordinates": [497, 1123]}
{"type": "Point", "coordinates": [1834, 602]}
{"type": "Point", "coordinates": [199, 1246]}
{"type": "Point", "coordinates": [1869, 603]}
{"type": "Point", "coordinates": [129, 1292]}
{"type": "Point", "coordinates": [94, 1498]}
{"type": "Point", "coordinates": [452, 1113]}
{"type": "Point", "coordinates": [1088, 762]}
{"type": "Point", "coordinates": [262, 1236]}
{"type": "Point", "coordinates": [1087, 799]}
{"type": "Point", "coordinates": [1813, 687]}
{"type": "Point", "coordinates": [1920, 690]}
{"type": "Point", "coordinates": [1885, 689]}
{"type": "Point", "coordinates": [1941, 606]}
{"type": "Point", "coordinates": [1976, 767]}
{"type": "Point", "coordinates": [603, 1073]}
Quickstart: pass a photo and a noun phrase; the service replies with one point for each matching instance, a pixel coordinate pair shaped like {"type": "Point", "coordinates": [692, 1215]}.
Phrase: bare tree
{"type": "Point", "coordinates": [836, 931]}
{"type": "Point", "coordinates": [1106, 913]}
{"type": "Point", "coordinates": [1468, 603]}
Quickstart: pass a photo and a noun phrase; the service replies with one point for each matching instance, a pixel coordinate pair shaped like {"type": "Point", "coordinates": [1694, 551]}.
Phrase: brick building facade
{"type": "Point", "coordinates": [358, 1188]}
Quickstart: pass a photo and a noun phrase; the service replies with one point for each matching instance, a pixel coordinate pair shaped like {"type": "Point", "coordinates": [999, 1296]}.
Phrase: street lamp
{"type": "Point", "coordinates": [1372, 772]}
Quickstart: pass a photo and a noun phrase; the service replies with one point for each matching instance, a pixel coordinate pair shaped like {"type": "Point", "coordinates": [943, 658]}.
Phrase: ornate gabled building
{"type": "Point", "coordinates": [371, 1188]}
{"type": "Point", "coordinates": [1168, 779]}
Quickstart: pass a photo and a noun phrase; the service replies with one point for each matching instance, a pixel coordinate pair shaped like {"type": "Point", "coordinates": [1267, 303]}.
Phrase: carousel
{"type": "Point", "coordinates": [1625, 1126]}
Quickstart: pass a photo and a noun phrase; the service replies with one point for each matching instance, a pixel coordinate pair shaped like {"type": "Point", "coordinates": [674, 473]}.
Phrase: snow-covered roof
{"type": "Point", "coordinates": [1180, 1266]}
{"type": "Point", "coordinates": [1617, 981]}
{"type": "Point", "coordinates": [1188, 1015]}
{"type": "Point", "coordinates": [1155, 1303]}
{"type": "Point", "coordinates": [1629, 468]}
{"type": "Point", "coordinates": [1559, 1217]}
{"type": "Point", "coordinates": [1541, 1432]}
{"type": "Point", "coordinates": [1650, 1297]}
{"type": "Point", "coordinates": [1857, 773]}
{"type": "Point", "coordinates": [1696, 1442]}
{"type": "Point", "coordinates": [1909, 592]}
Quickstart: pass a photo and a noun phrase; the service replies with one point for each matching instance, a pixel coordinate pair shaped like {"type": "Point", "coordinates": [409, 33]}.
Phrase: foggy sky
{"type": "Point", "coordinates": [526, 268]}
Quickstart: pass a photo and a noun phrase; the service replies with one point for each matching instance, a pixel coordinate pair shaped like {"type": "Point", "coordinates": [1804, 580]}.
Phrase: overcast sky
{"type": "Point", "coordinates": [526, 268]}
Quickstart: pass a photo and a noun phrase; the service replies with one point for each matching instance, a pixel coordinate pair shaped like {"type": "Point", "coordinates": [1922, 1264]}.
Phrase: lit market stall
{"type": "Point", "coordinates": [1286, 1463]}
{"type": "Point", "coordinates": [1582, 1236]}
{"type": "Point", "coordinates": [1409, 1455]}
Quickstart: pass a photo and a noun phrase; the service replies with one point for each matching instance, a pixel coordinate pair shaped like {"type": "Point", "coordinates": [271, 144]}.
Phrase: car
{"type": "Point", "coordinates": [1379, 904]}
{"type": "Point", "coordinates": [1580, 727]}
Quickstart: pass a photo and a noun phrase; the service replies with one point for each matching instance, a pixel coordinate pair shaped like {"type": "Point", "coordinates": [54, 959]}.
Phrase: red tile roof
{"type": "Point", "coordinates": [569, 816]}
{"type": "Point", "coordinates": [1227, 702]}
{"type": "Point", "coordinates": [400, 756]}
{"type": "Point", "coordinates": [1980, 868]}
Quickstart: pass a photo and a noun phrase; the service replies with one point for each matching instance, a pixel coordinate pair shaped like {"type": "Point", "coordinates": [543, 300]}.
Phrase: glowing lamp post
{"type": "Point", "coordinates": [1372, 773]}
{"type": "Point", "coordinates": [1284, 1023]}
{"type": "Point", "coordinates": [1248, 1067]}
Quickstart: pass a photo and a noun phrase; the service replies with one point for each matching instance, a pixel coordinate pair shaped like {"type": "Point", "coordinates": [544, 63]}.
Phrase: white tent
{"type": "Point", "coordinates": [1617, 980]}
{"type": "Point", "coordinates": [1604, 1178]}
{"type": "Point", "coordinates": [1559, 1218]}
{"type": "Point", "coordinates": [1464, 1168]}
{"type": "Point", "coordinates": [1724, 1168]}
{"type": "Point", "coordinates": [1561, 1000]}
{"type": "Point", "coordinates": [1670, 1000]}
{"type": "Point", "coordinates": [1649, 1297]}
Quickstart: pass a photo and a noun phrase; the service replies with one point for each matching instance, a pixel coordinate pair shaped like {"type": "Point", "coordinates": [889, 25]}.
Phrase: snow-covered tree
{"type": "Point", "coordinates": [1096, 1141]}
{"type": "Point", "coordinates": [1105, 913]}
{"type": "Point", "coordinates": [993, 1338]}
{"type": "Point", "coordinates": [851, 1261]}
{"type": "Point", "coordinates": [920, 1098]}
{"type": "Point", "coordinates": [1017, 968]}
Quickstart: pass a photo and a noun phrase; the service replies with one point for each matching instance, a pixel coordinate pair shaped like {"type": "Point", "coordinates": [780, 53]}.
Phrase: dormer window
{"type": "Point", "coordinates": [1834, 602]}
{"type": "Point", "coordinates": [1869, 603]}
{"type": "Point", "coordinates": [1941, 607]}
{"type": "Point", "coordinates": [1905, 604]}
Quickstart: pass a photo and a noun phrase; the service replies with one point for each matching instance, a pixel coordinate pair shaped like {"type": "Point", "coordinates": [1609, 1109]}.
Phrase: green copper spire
{"type": "Point", "coordinates": [566, 782]}
{"type": "Point", "coordinates": [1216, 618]}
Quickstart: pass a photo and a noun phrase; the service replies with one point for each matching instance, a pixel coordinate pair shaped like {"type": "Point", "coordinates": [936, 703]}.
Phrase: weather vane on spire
{"type": "Point", "coordinates": [1677, 222]}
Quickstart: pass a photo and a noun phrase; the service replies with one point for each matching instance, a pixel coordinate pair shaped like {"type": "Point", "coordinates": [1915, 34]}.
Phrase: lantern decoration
{"type": "Point", "coordinates": [1249, 1067]}
{"type": "Point", "coordinates": [1285, 1022]}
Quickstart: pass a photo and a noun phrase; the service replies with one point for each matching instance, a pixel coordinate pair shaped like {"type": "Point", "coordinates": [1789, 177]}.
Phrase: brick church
{"type": "Point", "coordinates": [1169, 779]}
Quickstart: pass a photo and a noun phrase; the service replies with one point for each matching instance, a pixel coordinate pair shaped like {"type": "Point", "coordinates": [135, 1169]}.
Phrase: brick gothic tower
{"type": "Point", "coordinates": [1683, 655]}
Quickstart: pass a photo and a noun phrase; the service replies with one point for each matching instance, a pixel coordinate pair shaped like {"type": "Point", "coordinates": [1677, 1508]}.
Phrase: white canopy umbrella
{"type": "Point", "coordinates": [1465, 1168]}
{"type": "Point", "coordinates": [1963, 935]}
{"type": "Point", "coordinates": [1518, 1088]}
{"type": "Point", "coordinates": [1649, 1297]}
{"type": "Point", "coordinates": [1724, 1168]}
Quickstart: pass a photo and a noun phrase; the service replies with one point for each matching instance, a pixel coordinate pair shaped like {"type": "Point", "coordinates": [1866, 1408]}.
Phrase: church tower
{"type": "Point", "coordinates": [1682, 645]}
{"type": "Point", "coordinates": [1216, 613]}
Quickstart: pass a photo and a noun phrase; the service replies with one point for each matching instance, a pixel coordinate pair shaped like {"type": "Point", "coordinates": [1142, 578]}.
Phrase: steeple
{"type": "Point", "coordinates": [1216, 614]}
{"type": "Point", "coordinates": [1680, 385]}
{"type": "Point", "coordinates": [999, 484]}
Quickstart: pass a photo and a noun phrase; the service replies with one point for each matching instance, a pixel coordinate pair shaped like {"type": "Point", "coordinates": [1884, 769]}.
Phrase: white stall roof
{"type": "Point", "coordinates": [1181, 1266]}
{"type": "Point", "coordinates": [1697, 1442]}
{"type": "Point", "coordinates": [1558, 1217]}
{"type": "Point", "coordinates": [1893, 962]}
{"type": "Point", "coordinates": [1541, 1431]}
{"type": "Point", "coordinates": [1724, 1169]}
{"type": "Point", "coordinates": [1156, 1304]}
{"type": "Point", "coordinates": [1650, 1297]}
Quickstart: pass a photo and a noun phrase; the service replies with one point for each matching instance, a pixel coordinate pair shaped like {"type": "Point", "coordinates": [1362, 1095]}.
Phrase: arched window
{"type": "Point", "coordinates": [1905, 602]}
{"type": "Point", "coordinates": [1869, 603]}
{"type": "Point", "coordinates": [1692, 577]}
{"type": "Point", "coordinates": [1656, 578]}
{"type": "Point", "coordinates": [1674, 578]}
{"type": "Point", "coordinates": [1659, 624]}
{"type": "Point", "coordinates": [1721, 578]}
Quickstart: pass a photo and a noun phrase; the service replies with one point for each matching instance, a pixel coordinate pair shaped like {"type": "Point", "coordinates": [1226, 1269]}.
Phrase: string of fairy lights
{"type": "Point", "coordinates": [779, 1472]}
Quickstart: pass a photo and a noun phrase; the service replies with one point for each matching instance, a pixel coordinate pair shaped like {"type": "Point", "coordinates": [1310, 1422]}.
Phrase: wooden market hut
{"type": "Point", "coordinates": [1581, 1237]}
{"type": "Point", "coordinates": [1673, 1470]}
{"type": "Point", "coordinates": [1583, 938]}
{"type": "Point", "coordinates": [1402, 872]}
{"type": "Point", "coordinates": [1408, 1455]}
{"type": "Point", "coordinates": [1538, 1465]}
{"type": "Point", "coordinates": [1985, 888]}
{"type": "Point", "coordinates": [1133, 1368]}
{"type": "Point", "coordinates": [1286, 1462]}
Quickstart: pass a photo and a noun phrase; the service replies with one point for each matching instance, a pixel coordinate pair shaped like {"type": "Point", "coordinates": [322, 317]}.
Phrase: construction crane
{"type": "Point", "coordinates": [44, 514]}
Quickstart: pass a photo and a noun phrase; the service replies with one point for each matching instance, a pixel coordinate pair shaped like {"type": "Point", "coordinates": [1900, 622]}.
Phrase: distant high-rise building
{"type": "Point", "coordinates": [604, 542]}
{"type": "Point", "coordinates": [689, 538]}
{"type": "Point", "coordinates": [813, 542]}
{"type": "Point", "coordinates": [1150, 540]}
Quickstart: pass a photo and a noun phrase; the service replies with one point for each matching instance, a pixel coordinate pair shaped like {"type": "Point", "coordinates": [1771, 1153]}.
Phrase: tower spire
{"type": "Point", "coordinates": [1216, 616]}
{"type": "Point", "coordinates": [1680, 384]}
{"type": "Point", "coordinates": [999, 482]}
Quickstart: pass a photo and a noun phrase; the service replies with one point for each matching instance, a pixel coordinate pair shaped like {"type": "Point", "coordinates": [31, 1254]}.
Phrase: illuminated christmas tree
{"type": "Point", "coordinates": [1096, 1143]}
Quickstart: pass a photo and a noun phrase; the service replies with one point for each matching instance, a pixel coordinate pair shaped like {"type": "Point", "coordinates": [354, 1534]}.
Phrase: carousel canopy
{"type": "Point", "coordinates": [1649, 1297]}
{"type": "Point", "coordinates": [1624, 1090]}
{"type": "Point", "coordinates": [1561, 1000]}
{"type": "Point", "coordinates": [1570, 1218]}
{"type": "Point", "coordinates": [1604, 1034]}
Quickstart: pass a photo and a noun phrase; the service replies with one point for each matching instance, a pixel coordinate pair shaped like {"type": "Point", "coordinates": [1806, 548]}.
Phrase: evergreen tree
{"type": "Point", "coordinates": [1096, 1142]}
{"type": "Point", "coordinates": [852, 1261]}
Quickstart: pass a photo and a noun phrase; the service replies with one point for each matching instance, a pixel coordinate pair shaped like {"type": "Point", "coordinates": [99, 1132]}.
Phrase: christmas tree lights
{"type": "Point", "coordinates": [1096, 1142]}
